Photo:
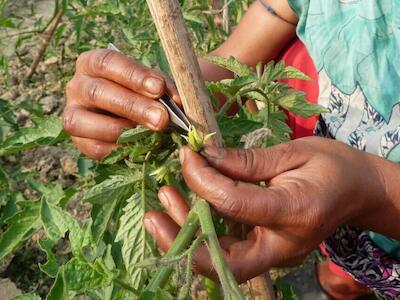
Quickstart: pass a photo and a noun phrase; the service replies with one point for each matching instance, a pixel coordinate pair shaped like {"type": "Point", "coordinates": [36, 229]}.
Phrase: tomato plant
{"type": "Point", "coordinates": [111, 256]}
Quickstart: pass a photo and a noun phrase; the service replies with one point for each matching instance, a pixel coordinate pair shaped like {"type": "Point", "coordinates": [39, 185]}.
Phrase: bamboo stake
{"type": "Point", "coordinates": [184, 66]}
{"type": "Point", "coordinates": [185, 70]}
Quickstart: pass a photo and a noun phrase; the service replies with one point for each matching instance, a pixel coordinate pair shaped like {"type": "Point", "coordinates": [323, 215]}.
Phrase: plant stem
{"type": "Point", "coordinates": [126, 286]}
{"type": "Point", "coordinates": [181, 243]}
{"type": "Point", "coordinates": [228, 282]}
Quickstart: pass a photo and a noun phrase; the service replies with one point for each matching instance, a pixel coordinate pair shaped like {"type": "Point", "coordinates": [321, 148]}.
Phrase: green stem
{"type": "Point", "coordinates": [181, 243]}
{"type": "Point", "coordinates": [126, 286]}
{"type": "Point", "coordinates": [228, 282]}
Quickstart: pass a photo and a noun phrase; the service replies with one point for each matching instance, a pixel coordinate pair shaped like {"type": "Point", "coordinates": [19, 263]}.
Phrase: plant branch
{"type": "Point", "coordinates": [181, 243]}
{"type": "Point", "coordinates": [45, 44]}
{"type": "Point", "coordinates": [228, 282]}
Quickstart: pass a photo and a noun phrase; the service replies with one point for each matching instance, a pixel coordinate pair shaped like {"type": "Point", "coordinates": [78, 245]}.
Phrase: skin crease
{"type": "Point", "coordinates": [296, 210]}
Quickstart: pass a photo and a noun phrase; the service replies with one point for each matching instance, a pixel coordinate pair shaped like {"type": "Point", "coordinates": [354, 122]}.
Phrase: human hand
{"type": "Point", "coordinates": [110, 92]}
{"type": "Point", "coordinates": [312, 186]}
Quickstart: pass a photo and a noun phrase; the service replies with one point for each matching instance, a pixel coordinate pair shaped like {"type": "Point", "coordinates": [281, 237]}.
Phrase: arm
{"type": "Point", "coordinates": [259, 36]}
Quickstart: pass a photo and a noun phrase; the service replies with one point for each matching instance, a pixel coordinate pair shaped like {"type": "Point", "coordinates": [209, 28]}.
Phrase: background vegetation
{"type": "Point", "coordinates": [47, 214]}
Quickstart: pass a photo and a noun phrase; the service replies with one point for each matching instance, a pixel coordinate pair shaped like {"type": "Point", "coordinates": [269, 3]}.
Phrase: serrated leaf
{"type": "Point", "coordinates": [101, 216]}
{"type": "Point", "coordinates": [50, 267]}
{"type": "Point", "coordinates": [20, 227]}
{"type": "Point", "coordinates": [58, 291]}
{"type": "Point", "coordinates": [133, 235]}
{"type": "Point", "coordinates": [233, 128]}
{"type": "Point", "coordinates": [296, 103]}
{"type": "Point", "coordinates": [231, 64]}
{"type": "Point", "coordinates": [52, 192]}
{"type": "Point", "coordinates": [47, 131]}
{"type": "Point", "coordinates": [81, 276]}
{"type": "Point", "coordinates": [162, 295]}
{"type": "Point", "coordinates": [133, 135]}
{"type": "Point", "coordinates": [114, 187]}
{"type": "Point", "coordinates": [56, 222]}
{"type": "Point", "coordinates": [291, 72]}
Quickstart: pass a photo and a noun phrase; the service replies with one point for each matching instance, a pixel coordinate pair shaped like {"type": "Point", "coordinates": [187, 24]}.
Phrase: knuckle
{"type": "Point", "coordinates": [93, 90]}
{"type": "Point", "coordinates": [69, 120]}
{"type": "Point", "coordinates": [247, 157]}
{"type": "Point", "coordinates": [70, 87]}
{"type": "Point", "coordinates": [231, 206]}
{"type": "Point", "coordinates": [101, 59]}
{"type": "Point", "coordinates": [287, 151]}
{"type": "Point", "coordinates": [129, 106]}
{"type": "Point", "coordinates": [83, 58]}
{"type": "Point", "coordinates": [135, 74]}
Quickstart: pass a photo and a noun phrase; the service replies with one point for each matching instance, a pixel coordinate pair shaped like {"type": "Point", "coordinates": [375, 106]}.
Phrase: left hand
{"type": "Point", "coordinates": [312, 186]}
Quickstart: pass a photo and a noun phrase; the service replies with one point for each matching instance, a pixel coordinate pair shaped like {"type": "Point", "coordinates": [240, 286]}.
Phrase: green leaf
{"type": "Point", "coordinates": [58, 290]}
{"type": "Point", "coordinates": [50, 267]}
{"type": "Point", "coordinates": [292, 73]}
{"type": "Point", "coordinates": [133, 135]}
{"type": "Point", "coordinates": [26, 297]}
{"type": "Point", "coordinates": [162, 295]}
{"type": "Point", "coordinates": [47, 131]}
{"type": "Point", "coordinates": [81, 276]}
{"type": "Point", "coordinates": [21, 226]}
{"type": "Point", "coordinates": [6, 23]}
{"type": "Point", "coordinates": [56, 222]}
{"type": "Point", "coordinates": [295, 102]}
{"type": "Point", "coordinates": [233, 128]}
{"type": "Point", "coordinates": [133, 236]}
{"type": "Point", "coordinates": [115, 187]}
{"type": "Point", "coordinates": [101, 216]}
{"type": "Point", "coordinates": [231, 64]}
{"type": "Point", "coordinates": [52, 192]}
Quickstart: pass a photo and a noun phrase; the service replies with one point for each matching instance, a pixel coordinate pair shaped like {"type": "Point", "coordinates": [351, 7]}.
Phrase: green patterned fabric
{"type": "Point", "coordinates": [355, 45]}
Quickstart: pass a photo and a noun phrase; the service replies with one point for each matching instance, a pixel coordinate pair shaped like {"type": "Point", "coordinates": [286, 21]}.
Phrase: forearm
{"type": "Point", "coordinates": [383, 214]}
{"type": "Point", "coordinates": [259, 36]}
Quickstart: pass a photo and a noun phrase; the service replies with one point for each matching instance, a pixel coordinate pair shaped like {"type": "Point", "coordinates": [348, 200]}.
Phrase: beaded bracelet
{"type": "Point", "coordinates": [271, 10]}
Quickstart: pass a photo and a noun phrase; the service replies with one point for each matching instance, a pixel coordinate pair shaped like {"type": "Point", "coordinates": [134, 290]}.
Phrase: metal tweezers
{"type": "Point", "coordinates": [176, 115]}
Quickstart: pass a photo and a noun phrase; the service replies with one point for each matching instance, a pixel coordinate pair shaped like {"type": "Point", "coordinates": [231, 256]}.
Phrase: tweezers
{"type": "Point", "coordinates": [176, 115]}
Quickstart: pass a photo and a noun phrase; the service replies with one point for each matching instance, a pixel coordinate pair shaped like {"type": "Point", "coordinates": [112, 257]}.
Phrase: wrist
{"type": "Point", "coordinates": [381, 198]}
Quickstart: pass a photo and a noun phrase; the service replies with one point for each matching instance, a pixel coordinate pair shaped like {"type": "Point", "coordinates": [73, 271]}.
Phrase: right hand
{"type": "Point", "coordinates": [110, 92]}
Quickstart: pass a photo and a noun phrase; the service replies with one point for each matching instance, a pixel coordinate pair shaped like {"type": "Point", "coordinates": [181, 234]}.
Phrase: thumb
{"type": "Point", "coordinates": [260, 163]}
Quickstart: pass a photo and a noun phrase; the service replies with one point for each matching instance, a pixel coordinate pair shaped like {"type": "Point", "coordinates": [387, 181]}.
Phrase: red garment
{"type": "Point", "coordinates": [297, 56]}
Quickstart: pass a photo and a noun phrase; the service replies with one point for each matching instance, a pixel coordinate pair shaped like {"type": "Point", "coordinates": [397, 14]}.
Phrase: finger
{"type": "Point", "coordinates": [174, 203]}
{"type": "Point", "coordinates": [109, 96]}
{"type": "Point", "coordinates": [258, 164]}
{"type": "Point", "coordinates": [247, 258]}
{"type": "Point", "coordinates": [80, 122]}
{"type": "Point", "coordinates": [119, 68]}
{"type": "Point", "coordinates": [93, 149]}
{"type": "Point", "coordinates": [243, 202]}
{"type": "Point", "coordinates": [162, 228]}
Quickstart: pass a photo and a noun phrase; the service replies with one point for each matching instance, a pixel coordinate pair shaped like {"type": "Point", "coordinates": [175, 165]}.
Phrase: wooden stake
{"type": "Point", "coordinates": [184, 66]}
{"type": "Point", "coordinates": [185, 69]}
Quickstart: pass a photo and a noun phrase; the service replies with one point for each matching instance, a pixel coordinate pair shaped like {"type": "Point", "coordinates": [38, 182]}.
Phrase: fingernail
{"type": "Point", "coordinates": [154, 115]}
{"type": "Point", "coordinates": [153, 85]}
{"type": "Point", "coordinates": [211, 152]}
{"type": "Point", "coordinates": [182, 155]}
{"type": "Point", "coordinates": [148, 224]}
{"type": "Point", "coordinates": [164, 199]}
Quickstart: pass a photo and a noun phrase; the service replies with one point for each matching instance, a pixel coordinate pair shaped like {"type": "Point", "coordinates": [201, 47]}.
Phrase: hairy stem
{"type": "Point", "coordinates": [181, 243]}
{"type": "Point", "coordinates": [228, 282]}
